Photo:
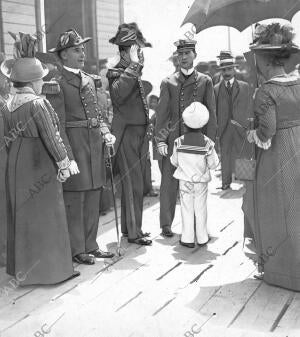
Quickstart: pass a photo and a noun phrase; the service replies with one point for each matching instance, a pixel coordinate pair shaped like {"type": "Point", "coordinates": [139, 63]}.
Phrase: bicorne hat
{"type": "Point", "coordinates": [69, 39]}
{"type": "Point", "coordinates": [129, 34]}
{"type": "Point", "coordinates": [226, 60]}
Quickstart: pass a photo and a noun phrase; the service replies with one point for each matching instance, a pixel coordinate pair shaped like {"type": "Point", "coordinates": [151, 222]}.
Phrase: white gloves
{"type": "Point", "coordinates": [109, 139]}
{"type": "Point", "coordinates": [162, 149]}
{"type": "Point", "coordinates": [134, 53]}
{"type": "Point", "coordinates": [73, 168]}
{"type": "Point", "coordinates": [66, 168]}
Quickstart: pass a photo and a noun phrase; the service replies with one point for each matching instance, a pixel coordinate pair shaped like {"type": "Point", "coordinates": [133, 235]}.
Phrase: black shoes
{"type": "Point", "coordinates": [141, 241]}
{"type": "Point", "coordinates": [84, 258]}
{"type": "Point", "coordinates": [167, 232]}
{"type": "Point", "coordinates": [98, 253]}
{"type": "Point", "coordinates": [89, 258]}
{"type": "Point", "coordinates": [143, 235]}
{"type": "Point", "coordinates": [224, 187]}
{"type": "Point", "coordinates": [188, 245]}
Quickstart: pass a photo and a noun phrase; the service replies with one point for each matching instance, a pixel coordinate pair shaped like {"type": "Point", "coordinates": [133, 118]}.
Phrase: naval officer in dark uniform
{"type": "Point", "coordinates": [178, 91]}
{"type": "Point", "coordinates": [83, 131]}
{"type": "Point", "coordinates": [129, 125]}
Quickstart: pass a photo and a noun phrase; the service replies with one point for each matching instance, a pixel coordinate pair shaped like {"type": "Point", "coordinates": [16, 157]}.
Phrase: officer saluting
{"type": "Point", "coordinates": [82, 130]}
{"type": "Point", "coordinates": [129, 125]}
{"type": "Point", "coordinates": [178, 91]}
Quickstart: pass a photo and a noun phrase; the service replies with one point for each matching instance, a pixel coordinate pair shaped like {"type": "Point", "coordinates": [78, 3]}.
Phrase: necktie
{"type": "Point", "coordinates": [229, 88]}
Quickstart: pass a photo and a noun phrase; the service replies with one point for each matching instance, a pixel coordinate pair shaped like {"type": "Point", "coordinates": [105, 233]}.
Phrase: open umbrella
{"type": "Point", "coordinates": [238, 13]}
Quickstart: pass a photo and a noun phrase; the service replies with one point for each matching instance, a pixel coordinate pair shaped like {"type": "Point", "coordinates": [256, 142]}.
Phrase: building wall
{"type": "Point", "coordinates": [17, 16]}
{"type": "Point", "coordinates": [109, 15]}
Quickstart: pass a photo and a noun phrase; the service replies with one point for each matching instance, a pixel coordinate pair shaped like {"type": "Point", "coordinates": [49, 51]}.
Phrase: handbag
{"type": "Point", "coordinates": [245, 168]}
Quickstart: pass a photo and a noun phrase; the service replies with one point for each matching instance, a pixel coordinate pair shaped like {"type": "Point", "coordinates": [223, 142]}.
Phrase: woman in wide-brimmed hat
{"type": "Point", "coordinates": [38, 247]}
{"type": "Point", "coordinates": [277, 137]}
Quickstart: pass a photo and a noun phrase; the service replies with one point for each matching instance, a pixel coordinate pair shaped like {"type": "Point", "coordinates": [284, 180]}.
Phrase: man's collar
{"type": "Point", "coordinates": [230, 81]}
{"type": "Point", "coordinates": [187, 72]}
{"type": "Point", "coordinates": [72, 70]}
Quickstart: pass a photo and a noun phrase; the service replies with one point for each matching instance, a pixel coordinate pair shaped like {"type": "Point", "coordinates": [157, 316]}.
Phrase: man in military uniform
{"type": "Point", "coordinates": [178, 91]}
{"type": "Point", "coordinates": [129, 124]}
{"type": "Point", "coordinates": [82, 130]}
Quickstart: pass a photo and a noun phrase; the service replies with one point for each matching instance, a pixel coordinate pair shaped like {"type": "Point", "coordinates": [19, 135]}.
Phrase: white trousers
{"type": "Point", "coordinates": [193, 201]}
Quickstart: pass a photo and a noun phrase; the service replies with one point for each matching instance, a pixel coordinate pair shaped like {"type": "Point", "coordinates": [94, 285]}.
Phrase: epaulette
{"type": "Point", "coordinates": [51, 87]}
{"type": "Point", "coordinates": [114, 73]}
{"type": "Point", "coordinates": [97, 80]}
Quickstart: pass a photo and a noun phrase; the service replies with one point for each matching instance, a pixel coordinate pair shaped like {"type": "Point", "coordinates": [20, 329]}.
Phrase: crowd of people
{"type": "Point", "coordinates": [57, 140]}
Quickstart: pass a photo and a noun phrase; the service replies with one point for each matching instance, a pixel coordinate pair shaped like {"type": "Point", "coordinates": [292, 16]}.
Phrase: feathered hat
{"type": "Point", "coordinates": [274, 37]}
{"type": "Point", "coordinates": [24, 67]}
{"type": "Point", "coordinates": [129, 34]}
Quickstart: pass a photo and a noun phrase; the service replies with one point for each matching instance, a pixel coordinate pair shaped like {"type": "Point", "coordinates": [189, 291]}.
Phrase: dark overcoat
{"type": "Point", "coordinates": [77, 101]}
{"type": "Point", "coordinates": [176, 94]}
{"type": "Point", "coordinates": [126, 100]}
{"type": "Point", "coordinates": [241, 111]}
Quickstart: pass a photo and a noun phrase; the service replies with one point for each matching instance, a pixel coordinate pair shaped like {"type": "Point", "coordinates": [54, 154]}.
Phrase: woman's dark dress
{"type": "Point", "coordinates": [38, 247]}
{"type": "Point", "coordinates": [277, 231]}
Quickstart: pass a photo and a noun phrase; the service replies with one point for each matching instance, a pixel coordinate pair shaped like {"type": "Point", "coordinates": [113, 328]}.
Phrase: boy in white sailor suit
{"type": "Point", "coordinates": [194, 156]}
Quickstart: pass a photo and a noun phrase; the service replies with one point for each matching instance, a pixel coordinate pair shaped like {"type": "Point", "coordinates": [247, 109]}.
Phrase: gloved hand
{"type": "Point", "coordinates": [109, 139]}
{"type": "Point", "coordinates": [250, 136]}
{"type": "Point", "coordinates": [63, 175]}
{"type": "Point", "coordinates": [134, 53]}
{"type": "Point", "coordinates": [73, 168]}
{"type": "Point", "coordinates": [162, 149]}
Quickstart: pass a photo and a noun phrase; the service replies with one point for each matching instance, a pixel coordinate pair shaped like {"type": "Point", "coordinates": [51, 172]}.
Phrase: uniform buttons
{"type": "Point", "coordinates": [85, 104]}
{"type": "Point", "coordinates": [87, 112]}
{"type": "Point", "coordinates": [83, 97]}
{"type": "Point", "coordinates": [182, 93]}
{"type": "Point", "coordinates": [181, 99]}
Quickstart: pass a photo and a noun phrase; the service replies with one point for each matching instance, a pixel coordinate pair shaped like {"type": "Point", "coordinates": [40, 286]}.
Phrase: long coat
{"type": "Point", "coordinates": [177, 93]}
{"type": "Point", "coordinates": [77, 101]}
{"type": "Point", "coordinates": [38, 248]}
{"type": "Point", "coordinates": [126, 100]}
{"type": "Point", "coordinates": [240, 105]}
{"type": "Point", "coordinates": [241, 111]}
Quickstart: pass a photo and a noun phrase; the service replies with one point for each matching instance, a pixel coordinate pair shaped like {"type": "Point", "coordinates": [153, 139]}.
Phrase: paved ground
{"type": "Point", "coordinates": [160, 291]}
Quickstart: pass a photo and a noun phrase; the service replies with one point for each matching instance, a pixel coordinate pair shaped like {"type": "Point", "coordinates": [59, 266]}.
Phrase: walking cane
{"type": "Point", "coordinates": [110, 153]}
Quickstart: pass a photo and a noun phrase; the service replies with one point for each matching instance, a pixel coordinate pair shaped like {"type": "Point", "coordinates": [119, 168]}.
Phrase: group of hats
{"type": "Point", "coordinates": [25, 67]}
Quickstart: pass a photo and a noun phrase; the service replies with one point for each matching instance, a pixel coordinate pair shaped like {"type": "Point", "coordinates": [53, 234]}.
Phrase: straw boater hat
{"type": "Point", "coordinates": [226, 60]}
{"type": "Point", "coordinates": [129, 34]}
{"type": "Point", "coordinates": [274, 38]}
{"type": "Point", "coordinates": [69, 39]}
{"type": "Point", "coordinates": [195, 116]}
{"type": "Point", "coordinates": [25, 67]}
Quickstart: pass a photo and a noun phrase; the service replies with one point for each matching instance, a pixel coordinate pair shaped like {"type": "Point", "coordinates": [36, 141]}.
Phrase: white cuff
{"type": "Point", "coordinates": [263, 145]}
